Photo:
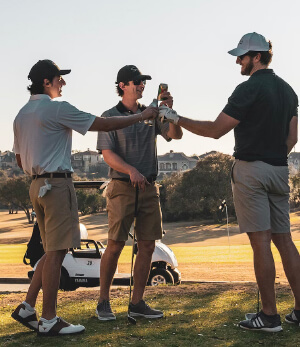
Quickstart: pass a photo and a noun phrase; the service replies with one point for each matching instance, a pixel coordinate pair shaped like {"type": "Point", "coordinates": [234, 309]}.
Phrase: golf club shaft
{"type": "Point", "coordinates": [133, 242]}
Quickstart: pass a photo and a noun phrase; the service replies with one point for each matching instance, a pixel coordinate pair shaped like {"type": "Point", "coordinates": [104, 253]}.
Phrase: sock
{"type": "Point", "coordinates": [28, 307]}
{"type": "Point", "coordinates": [48, 321]}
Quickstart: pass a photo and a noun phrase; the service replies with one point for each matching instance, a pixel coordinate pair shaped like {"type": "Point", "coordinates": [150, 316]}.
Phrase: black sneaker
{"type": "Point", "coordinates": [293, 318]}
{"type": "Point", "coordinates": [104, 312]}
{"type": "Point", "coordinates": [141, 309]}
{"type": "Point", "coordinates": [261, 321]}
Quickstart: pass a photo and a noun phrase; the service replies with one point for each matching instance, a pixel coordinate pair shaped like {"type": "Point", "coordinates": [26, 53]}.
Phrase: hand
{"type": "Point", "coordinates": [168, 99]}
{"type": "Point", "coordinates": [167, 115]}
{"type": "Point", "coordinates": [150, 113]}
{"type": "Point", "coordinates": [137, 179]}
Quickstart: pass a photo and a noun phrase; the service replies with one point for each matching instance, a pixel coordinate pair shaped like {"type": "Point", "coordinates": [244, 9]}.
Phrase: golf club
{"type": "Point", "coordinates": [131, 319]}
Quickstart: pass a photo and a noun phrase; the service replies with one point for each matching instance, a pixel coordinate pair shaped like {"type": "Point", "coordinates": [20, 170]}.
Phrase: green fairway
{"type": "Point", "coordinates": [13, 254]}
{"type": "Point", "coordinates": [195, 315]}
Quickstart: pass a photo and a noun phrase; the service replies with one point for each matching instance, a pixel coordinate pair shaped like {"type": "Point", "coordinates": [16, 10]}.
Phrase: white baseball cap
{"type": "Point", "coordinates": [250, 42]}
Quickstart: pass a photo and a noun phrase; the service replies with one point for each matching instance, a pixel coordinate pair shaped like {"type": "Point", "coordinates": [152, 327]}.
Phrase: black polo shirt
{"type": "Point", "coordinates": [264, 105]}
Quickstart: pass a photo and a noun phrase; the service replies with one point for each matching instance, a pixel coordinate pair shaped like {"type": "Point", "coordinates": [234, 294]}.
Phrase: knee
{"type": "Point", "coordinates": [114, 248]}
{"type": "Point", "coordinates": [146, 247]}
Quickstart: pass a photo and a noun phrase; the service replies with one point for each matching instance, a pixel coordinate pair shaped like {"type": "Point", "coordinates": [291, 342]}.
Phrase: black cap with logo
{"type": "Point", "coordinates": [131, 73]}
{"type": "Point", "coordinates": [45, 69]}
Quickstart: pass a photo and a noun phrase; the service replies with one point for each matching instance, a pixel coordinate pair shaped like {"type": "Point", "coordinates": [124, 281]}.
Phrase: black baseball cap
{"type": "Point", "coordinates": [45, 69]}
{"type": "Point", "coordinates": [131, 73]}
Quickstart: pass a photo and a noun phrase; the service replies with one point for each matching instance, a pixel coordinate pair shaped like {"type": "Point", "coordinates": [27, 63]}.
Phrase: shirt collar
{"type": "Point", "coordinates": [39, 97]}
{"type": "Point", "coordinates": [122, 109]}
{"type": "Point", "coordinates": [263, 71]}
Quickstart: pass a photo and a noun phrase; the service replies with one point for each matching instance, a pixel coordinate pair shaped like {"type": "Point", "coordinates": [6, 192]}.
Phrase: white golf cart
{"type": "Point", "coordinates": [81, 267]}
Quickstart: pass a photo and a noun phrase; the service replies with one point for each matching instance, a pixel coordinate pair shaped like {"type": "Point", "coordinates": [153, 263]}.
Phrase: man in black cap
{"type": "Point", "coordinates": [263, 111]}
{"type": "Point", "coordinates": [43, 141]}
{"type": "Point", "coordinates": [131, 156]}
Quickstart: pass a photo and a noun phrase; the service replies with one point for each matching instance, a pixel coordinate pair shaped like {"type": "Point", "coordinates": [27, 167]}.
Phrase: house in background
{"type": "Point", "coordinates": [84, 161]}
{"type": "Point", "coordinates": [294, 162]}
{"type": "Point", "coordinates": [8, 160]}
{"type": "Point", "coordinates": [175, 162]}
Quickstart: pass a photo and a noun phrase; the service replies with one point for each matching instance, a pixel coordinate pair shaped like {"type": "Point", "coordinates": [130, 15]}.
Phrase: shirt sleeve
{"type": "Point", "coordinates": [70, 117]}
{"type": "Point", "coordinates": [240, 101]}
{"type": "Point", "coordinates": [106, 140]}
{"type": "Point", "coordinates": [162, 129]}
{"type": "Point", "coordinates": [16, 147]}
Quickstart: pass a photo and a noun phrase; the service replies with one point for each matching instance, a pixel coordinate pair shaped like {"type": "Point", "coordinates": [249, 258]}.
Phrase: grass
{"type": "Point", "coordinates": [13, 254]}
{"type": "Point", "coordinates": [195, 315]}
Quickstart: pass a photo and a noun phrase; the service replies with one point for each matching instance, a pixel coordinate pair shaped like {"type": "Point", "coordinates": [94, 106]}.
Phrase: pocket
{"type": "Point", "coordinates": [110, 189]}
{"type": "Point", "coordinates": [73, 202]}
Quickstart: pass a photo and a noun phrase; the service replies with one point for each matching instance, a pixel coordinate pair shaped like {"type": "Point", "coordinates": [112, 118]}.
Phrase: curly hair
{"type": "Point", "coordinates": [37, 87]}
{"type": "Point", "coordinates": [119, 91]}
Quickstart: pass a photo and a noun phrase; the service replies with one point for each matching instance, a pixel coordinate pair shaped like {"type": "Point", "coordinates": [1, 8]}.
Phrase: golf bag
{"type": "Point", "coordinates": [35, 248]}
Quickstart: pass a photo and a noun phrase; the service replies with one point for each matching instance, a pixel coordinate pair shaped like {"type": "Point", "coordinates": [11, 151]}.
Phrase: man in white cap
{"type": "Point", "coordinates": [263, 113]}
{"type": "Point", "coordinates": [42, 143]}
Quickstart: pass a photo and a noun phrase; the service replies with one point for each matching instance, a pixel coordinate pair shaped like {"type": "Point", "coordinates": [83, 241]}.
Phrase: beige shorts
{"type": "Point", "coordinates": [261, 196]}
{"type": "Point", "coordinates": [120, 208]}
{"type": "Point", "coordinates": [57, 213]}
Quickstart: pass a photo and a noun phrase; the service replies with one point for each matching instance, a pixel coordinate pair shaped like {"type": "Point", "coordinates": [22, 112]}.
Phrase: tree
{"type": "Point", "coordinates": [295, 190]}
{"type": "Point", "coordinates": [200, 191]}
{"type": "Point", "coordinates": [15, 192]}
{"type": "Point", "coordinates": [90, 201]}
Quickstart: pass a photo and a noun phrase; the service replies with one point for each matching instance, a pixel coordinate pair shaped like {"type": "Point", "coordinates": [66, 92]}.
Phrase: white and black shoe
{"type": "Point", "coordinates": [293, 318]}
{"type": "Point", "coordinates": [26, 317]}
{"type": "Point", "coordinates": [263, 322]}
{"type": "Point", "coordinates": [58, 326]}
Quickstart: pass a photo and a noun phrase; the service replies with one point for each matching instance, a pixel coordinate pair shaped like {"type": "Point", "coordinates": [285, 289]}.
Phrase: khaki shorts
{"type": "Point", "coordinates": [57, 213]}
{"type": "Point", "coordinates": [261, 196]}
{"type": "Point", "coordinates": [120, 208]}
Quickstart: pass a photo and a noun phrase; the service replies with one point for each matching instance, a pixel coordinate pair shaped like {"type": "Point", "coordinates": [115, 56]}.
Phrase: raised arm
{"type": "Point", "coordinates": [115, 123]}
{"type": "Point", "coordinates": [216, 129]}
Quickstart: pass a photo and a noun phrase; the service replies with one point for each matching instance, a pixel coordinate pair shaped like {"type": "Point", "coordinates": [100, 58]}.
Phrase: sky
{"type": "Point", "coordinates": [181, 43]}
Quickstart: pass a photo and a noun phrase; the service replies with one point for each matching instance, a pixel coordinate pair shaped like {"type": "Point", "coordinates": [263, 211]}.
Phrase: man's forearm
{"type": "Point", "coordinates": [114, 161]}
{"type": "Point", "coordinates": [175, 131]}
{"type": "Point", "coordinates": [202, 128]}
{"type": "Point", "coordinates": [221, 126]}
{"type": "Point", "coordinates": [115, 123]}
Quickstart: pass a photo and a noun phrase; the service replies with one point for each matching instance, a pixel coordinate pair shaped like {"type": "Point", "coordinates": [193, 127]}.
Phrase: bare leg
{"type": "Point", "coordinates": [50, 281]}
{"type": "Point", "coordinates": [36, 283]}
{"type": "Point", "coordinates": [108, 267]}
{"type": "Point", "coordinates": [291, 262]}
{"type": "Point", "coordinates": [264, 269]}
{"type": "Point", "coordinates": [142, 269]}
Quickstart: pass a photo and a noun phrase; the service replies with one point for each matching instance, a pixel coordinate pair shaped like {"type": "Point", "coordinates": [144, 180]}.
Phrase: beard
{"type": "Point", "coordinates": [248, 68]}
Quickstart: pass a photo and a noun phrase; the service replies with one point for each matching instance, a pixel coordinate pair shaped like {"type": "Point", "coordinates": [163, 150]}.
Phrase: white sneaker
{"type": "Point", "coordinates": [26, 317]}
{"type": "Point", "coordinates": [58, 327]}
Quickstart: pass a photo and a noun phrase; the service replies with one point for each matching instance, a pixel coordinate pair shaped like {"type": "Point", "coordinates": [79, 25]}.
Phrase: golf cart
{"type": "Point", "coordinates": [81, 266]}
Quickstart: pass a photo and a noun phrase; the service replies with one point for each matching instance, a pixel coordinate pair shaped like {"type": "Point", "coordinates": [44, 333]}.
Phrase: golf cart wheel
{"type": "Point", "coordinates": [160, 276]}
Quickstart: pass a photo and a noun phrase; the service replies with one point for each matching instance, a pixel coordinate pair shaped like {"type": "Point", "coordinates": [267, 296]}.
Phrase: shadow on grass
{"type": "Point", "coordinates": [195, 315]}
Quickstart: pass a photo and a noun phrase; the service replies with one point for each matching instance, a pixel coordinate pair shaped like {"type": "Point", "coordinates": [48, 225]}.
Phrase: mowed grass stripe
{"type": "Point", "coordinates": [13, 254]}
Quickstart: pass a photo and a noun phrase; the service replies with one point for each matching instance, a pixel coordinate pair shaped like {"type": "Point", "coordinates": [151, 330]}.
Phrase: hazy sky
{"type": "Point", "coordinates": [182, 43]}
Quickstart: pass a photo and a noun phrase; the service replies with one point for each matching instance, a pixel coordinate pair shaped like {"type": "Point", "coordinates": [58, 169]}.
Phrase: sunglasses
{"type": "Point", "coordinates": [241, 57]}
{"type": "Point", "coordinates": [138, 82]}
